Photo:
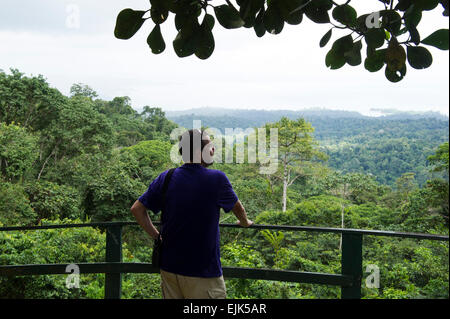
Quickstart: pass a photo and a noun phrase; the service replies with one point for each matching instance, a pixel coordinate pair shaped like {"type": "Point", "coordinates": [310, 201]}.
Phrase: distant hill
{"type": "Point", "coordinates": [386, 146]}
{"type": "Point", "coordinates": [232, 118]}
{"type": "Point", "coordinates": [330, 125]}
{"type": "Point", "coordinates": [394, 114]}
{"type": "Point", "coordinates": [208, 111]}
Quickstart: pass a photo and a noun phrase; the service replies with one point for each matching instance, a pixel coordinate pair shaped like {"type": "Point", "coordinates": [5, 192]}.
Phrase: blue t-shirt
{"type": "Point", "coordinates": [190, 230]}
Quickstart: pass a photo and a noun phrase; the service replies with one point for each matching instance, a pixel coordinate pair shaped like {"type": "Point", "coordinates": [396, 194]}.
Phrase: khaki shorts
{"type": "Point", "coordinates": [175, 286]}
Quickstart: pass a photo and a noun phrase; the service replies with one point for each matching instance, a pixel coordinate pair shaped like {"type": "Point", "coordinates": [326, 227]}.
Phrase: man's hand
{"type": "Point", "coordinates": [246, 223]}
{"type": "Point", "coordinates": [140, 213]}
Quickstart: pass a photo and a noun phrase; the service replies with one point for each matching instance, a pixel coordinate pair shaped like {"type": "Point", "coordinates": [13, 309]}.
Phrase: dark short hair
{"type": "Point", "coordinates": [193, 133]}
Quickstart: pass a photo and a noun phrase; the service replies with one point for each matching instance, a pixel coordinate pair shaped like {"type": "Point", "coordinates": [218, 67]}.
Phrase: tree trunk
{"type": "Point", "coordinates": [344, 195]}
{"type": "Point", "coordinates": [285, 185]}
{"type": "Point", "coordinates": [342, 226]}
{"type": "Point", "coordinates": [47, 159]}
{"type": "Point", "coordinates": [43, 166]}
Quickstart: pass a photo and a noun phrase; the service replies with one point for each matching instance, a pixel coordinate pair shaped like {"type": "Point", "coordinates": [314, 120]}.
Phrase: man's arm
{"type": "Point", "coordinates": [140, 213]}
{"type": "Point", "coordinates": [241, 215]}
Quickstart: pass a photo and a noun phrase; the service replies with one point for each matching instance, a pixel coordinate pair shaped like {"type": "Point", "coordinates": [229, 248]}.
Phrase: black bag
{"type": "Point", "coordinates": [157, 245]}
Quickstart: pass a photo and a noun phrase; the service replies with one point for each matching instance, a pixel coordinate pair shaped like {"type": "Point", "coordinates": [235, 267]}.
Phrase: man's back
{"type": "Point", "coordinates": [190, 228]}
{"type": "Point", "coordinates": [190, 257]}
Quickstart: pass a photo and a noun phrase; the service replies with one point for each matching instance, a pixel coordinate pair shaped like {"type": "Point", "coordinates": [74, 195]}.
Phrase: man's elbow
{"type": "Point", "coordinates": [238, 207]}
{"type": "Point", "coordinates": [135, 209]}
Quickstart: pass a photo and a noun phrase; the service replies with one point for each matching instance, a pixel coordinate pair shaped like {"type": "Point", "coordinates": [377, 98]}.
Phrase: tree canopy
{"type": "Point", "coordinates": [390, 32]}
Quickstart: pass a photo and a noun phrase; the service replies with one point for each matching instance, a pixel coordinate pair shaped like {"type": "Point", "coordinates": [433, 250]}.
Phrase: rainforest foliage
{"type": "Point", "coordinates": [78, 158]}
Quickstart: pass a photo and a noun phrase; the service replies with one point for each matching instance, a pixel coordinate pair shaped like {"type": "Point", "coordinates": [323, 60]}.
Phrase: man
{"type": "Point", "coordinates": [190, 257]}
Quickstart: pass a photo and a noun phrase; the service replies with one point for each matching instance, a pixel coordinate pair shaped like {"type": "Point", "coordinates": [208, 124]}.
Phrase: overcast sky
{"type": "Point", "coordinates": [285, 71]}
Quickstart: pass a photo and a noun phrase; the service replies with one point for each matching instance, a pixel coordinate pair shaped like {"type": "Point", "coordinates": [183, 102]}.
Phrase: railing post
{"type": "Point", "coordinates": [113, 282]}
{"type": "Point", "coordinates": [352, 264]}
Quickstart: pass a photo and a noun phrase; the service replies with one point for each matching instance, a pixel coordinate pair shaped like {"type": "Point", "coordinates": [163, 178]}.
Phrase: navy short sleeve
{"type": "Point", "coordinates": [227, 197]}
{"type": "Point", "coordinates": [151, 199]}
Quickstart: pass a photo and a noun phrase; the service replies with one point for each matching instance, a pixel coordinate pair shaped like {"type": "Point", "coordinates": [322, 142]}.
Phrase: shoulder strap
{"type": "Point", "coordinates": [164, 190]}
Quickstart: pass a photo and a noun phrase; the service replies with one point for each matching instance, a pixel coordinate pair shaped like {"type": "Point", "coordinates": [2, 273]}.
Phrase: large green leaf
{"type": "Point", "coordinates": [375, 37]}
{"type": "Point", "coordinates": [181, 19]}
{"type": "Point", "coordinates": [156, 41]}
{"type": "Point", "coordinates": [361, 24]}
{"type": "Point", "coordinates": [185, 42]}
{"type": "Point", "coordinates": [425, 4]}
{"type": "Point", "coordinates": [395, 76]}
{"type": "Point", "coordinates": [317, 11]}
{"type": "Point", "coordinates": [183, 6]}
{"type": "Point", "coordinates": [419, 57]}
{"type": "Point", "coordinates": [289, 12]}
{"type": "Point", "coordinates": [392, 21]}
{"type": "Point", "coordinates": [438, 39]}
{"type": "Point", "coordinates": [159, 11]}
{"type": "Point", "coordinates": [128, 23]}
{"type": "Point", "coordinates": [403, 5]}
{"type": "Point", "coordinates": [353, 57]}
{"type": "Point", "coordinates": [248, 10]}
{"type": "Point", "coordinates": [228, 17]}
{"type": "Point", "coordinates": [334, 60]}
{"type": "Point", "coordinates": [205, 40]}
{"type": "Point", "coordinates": [345, 14]}
{"type": "Point", "coordinates": [375, 60]}
{"type": "Point", "coordinates": [259, 27]}
{"type": "Point", "coordinates": [343, 44]}
{"type": "Point", "coordinates": [446, 5]}
{"type": "Point", "coordinates": [412, 17]}
{"type": "Point", "coordinates": [273, 20]}
{"type": "Point", "coordinates": [183, 45]}
{"type": "Point", "coordinates": [210, 21]}
{"type": "Point", "coordinates": [325, 38]}
{"type": "Point", "coordinates": [415, 35]}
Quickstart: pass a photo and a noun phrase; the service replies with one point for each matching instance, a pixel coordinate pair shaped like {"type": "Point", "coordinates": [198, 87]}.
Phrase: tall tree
{"type": "Point", "coordinates": [156, 117]}
{"type": "Point", "coordinates": [297, 150]}
{"type": "Point", "coordinates": [440, 160]}
{"type": "Point", "coordinates": [78, 129]}
{"type": "Point", "coordinates": [28, 101]}
{"type": "Point", "coordinates": [438, 188]}
{"type": "Point", "coordinates": [80, 89]}
{"type": "Point", "coordinates": [357, 187]}
{"type": "Point", "coordinates": [18, 151]}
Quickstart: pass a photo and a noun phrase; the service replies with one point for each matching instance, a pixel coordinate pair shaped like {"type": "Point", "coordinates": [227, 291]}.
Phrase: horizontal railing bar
{"type": "Point", "coordinates": [85, 268]}
{"type": "Point", "coordinates": [288, 276]}
{"type": "Point", "coordinates": [99, 224]}
{"type": "Point", "coordinates": [272, 227]}
{"type": "Point", "coordinates": [347, 231]}
{"type": "Point", "coordinates": [228, 272]}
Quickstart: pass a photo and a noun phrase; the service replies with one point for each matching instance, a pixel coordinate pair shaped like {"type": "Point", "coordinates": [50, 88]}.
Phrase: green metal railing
{"type": "Point", "coordinates": [349, 280]}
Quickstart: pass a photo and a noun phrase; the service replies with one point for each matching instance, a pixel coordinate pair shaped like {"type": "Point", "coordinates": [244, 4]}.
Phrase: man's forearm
{"type": "Point", "coordinates": [241, 215]}
{"type": "Point", "coordinates": [140, 213]}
